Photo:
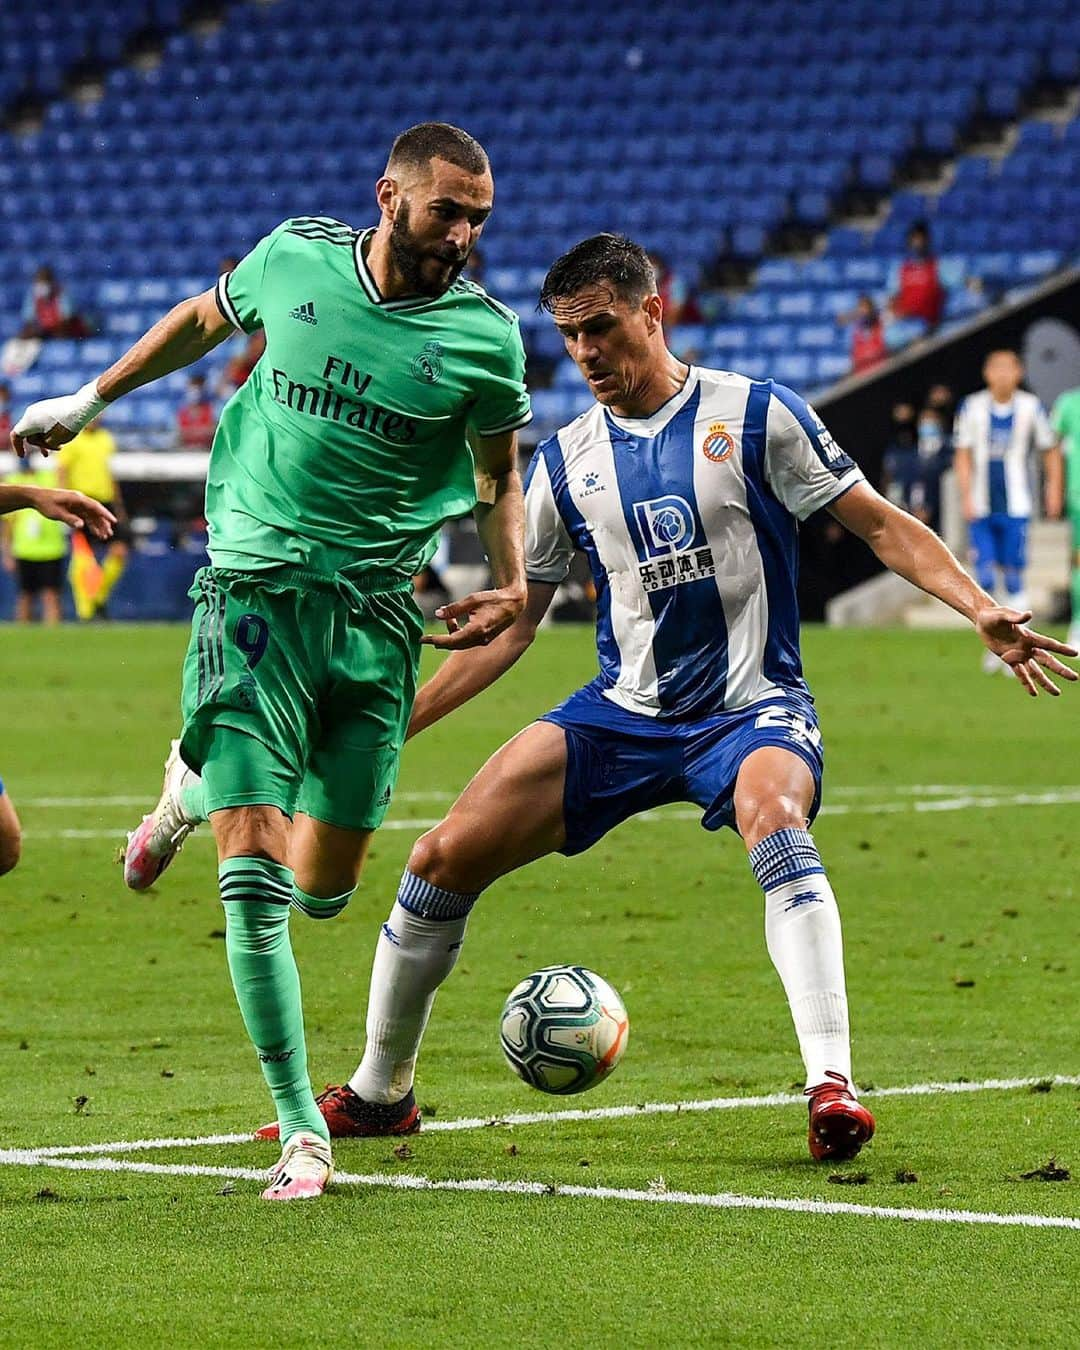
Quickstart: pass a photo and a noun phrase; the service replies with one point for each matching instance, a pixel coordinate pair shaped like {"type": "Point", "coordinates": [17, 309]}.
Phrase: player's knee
{"type": "Point", "coordinates": [251, 832]}
{"type": "Point", "coordinates": [758, 817]}
{"type": "Point", "coordinates": [442, 856]}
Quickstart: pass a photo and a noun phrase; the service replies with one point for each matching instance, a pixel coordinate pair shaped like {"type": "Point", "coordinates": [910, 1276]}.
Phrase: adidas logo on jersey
{"type": "Point", "coordinates": [305, 313]}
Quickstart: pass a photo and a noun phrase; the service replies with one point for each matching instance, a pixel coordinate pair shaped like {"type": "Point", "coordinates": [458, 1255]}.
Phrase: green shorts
{"type": "Point", "coordinates": [297, 691]}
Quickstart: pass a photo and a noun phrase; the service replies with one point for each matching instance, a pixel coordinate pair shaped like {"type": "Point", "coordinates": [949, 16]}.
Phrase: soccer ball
{"type": "Point", "coordinates": [563, 1029]}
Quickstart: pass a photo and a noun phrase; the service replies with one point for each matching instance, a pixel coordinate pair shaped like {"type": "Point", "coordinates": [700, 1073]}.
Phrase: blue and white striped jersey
{"type": "Point", "coordinates": [689, 521]}
{"type": "Point", "coordinates": [1000, 438]}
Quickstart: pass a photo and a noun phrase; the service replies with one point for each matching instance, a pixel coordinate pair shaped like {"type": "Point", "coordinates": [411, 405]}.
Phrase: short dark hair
{"type": "Point", "coordinates": [613, 258]}
{"type": "Point", "coordinates": [426, 141]}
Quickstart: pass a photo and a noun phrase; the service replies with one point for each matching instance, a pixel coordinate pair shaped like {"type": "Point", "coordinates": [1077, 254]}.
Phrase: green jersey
{"type": "Point", "coordinates": [345, 449]}
{"type": "Point", "coordinates": [1065, 419]}
{"type": "Point", "coordinates": [35, 538]}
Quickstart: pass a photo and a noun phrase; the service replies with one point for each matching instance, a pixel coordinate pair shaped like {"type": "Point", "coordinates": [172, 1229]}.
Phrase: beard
{"type": "Point", "coordinates": [409, 257]}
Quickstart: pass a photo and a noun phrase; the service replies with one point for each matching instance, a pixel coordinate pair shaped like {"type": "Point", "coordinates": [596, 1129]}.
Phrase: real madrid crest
{"type": "Point", "coordinates": [427, 365]}
{"type": "Point", "coordinates": [718, 444]}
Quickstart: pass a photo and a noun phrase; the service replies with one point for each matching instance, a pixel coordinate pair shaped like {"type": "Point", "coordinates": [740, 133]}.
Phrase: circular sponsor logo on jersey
{"type": "Point", "coordinates": [718, 444]}
{"type": "Point", "coordinates": [428, 364]}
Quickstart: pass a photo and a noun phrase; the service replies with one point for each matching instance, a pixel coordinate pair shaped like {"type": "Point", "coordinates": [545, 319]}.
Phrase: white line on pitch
{"type": "Point", "coordinates": [849, 790]}
{"type": "Point", "coordinates": [582, 1113]}
{"type": "Point", "coordinates": [146, 799]}
{"type": "Point", "coordinates": [490, 1186]}
{"type": "Point", "coordinates": [1059, 797]}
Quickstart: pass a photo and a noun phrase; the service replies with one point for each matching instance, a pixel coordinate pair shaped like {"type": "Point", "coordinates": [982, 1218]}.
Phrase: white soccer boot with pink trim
{"type": "Point", "coordinates": [303, 1171]}
{"type": "Point", "coordinates": [156, 842]}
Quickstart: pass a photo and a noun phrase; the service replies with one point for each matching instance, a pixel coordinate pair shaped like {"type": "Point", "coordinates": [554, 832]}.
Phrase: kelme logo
{"type": "Point", "coordinates": [428, 364]}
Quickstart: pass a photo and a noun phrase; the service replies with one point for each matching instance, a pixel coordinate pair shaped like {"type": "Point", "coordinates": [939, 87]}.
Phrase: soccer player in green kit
{"type": "Point", "coordinates": [387, 399]}
{"type": "Point", "coordinates": [1065, 420]}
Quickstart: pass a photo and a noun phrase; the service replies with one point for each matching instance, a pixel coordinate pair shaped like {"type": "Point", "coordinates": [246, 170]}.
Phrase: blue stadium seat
{"type": "Point", "coordinates": [137, 197]}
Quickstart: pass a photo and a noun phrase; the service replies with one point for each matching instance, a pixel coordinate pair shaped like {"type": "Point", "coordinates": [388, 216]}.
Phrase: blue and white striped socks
{"type": "Point", "coordinates": [802, 932]}
{"type": "Point", "coordinates": [417, 949]}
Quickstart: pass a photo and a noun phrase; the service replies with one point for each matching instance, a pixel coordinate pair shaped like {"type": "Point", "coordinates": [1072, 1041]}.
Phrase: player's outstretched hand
{"type": "Point", "coordinates": [475, 620]}
{"type": "Point", "coordinates": [1029, 655]}
{"type": "Point", "coordinates": [51, 422]}
{"type": "Point", "coordinates": [76, 510]}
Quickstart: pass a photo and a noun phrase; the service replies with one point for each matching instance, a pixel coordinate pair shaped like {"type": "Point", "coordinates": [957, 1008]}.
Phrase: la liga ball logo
{"type": "Point", "coordinates": [718, 444]}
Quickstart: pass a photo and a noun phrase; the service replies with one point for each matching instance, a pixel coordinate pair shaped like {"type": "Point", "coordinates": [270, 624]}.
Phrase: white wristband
{"type": "Point", "coordinates": [86, 404]}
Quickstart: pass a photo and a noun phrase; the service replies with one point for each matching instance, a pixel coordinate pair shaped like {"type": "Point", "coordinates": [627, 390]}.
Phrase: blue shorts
{"type": "Point", "coordinates": [619, 763]}
{"type": "Point", "coordinates": [999, 540]}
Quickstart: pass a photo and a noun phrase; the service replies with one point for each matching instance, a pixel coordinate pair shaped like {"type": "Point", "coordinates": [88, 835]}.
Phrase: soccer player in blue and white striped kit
{"type": "Point", "coordinates": [997, 429]}
{"type": "Point", "coordinates": [684, 487]}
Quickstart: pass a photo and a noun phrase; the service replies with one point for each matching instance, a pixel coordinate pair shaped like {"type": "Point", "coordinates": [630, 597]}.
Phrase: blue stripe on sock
{"type": "Point", "coordinates": [429, 901]}
{"type": "Point", "coordinates": [784, 856]}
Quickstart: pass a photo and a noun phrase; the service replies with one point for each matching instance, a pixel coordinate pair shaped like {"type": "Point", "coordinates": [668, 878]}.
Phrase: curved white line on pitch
{"type": "Point", "coordinates": [577, 1113]}
{"type": "Point", "coordinates": [970, 802]}
{"type": "Point", "coordinates": [490, 1186]}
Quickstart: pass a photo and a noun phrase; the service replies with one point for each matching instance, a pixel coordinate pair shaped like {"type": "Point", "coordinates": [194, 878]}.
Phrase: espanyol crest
{"type": "Point", "coordinates": [667, 524]}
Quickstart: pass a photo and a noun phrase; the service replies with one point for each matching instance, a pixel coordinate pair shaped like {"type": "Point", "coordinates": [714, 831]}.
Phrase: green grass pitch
{"type": "Point", "coordinates": [950, 834]}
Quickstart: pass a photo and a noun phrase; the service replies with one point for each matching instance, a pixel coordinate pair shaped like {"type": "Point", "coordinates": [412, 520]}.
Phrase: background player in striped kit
{"type": "Point", "coordinates": [683, 486]}
{"type": "Point", "coordinates": [996, 431]}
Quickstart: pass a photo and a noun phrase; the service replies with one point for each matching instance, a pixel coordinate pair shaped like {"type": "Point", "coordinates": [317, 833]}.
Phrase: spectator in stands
{"type": "Point", "coordinates": [33, 548]}
{"type": "Point", "coordinates": [904, 431]}
{"type": "Point", "coordinates": [910, 477]}
{"type": "Point", "coordinates": [680, 305]}
{"type": "Point", "coordinates": [240, 366]}
{"type": "Point", "coordinates": [47, 312]}
{"type": "Point", "coordinates": [943, 401]}
{"type": "Point", "coordinates": [84, 464]}
{"type": "Point", "coordinates": [5, 415]}
{"type": "Point", "coordinates": [867, 335]}
{"type": "Point", "coordinates": [196, 418]}
{"type": "Point", "coordinates": [918, 292]}
{"type": "Point", "coordinates": [935, 455]}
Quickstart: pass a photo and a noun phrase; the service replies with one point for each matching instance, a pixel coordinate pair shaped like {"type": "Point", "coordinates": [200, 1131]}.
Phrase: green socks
{"type": "Point", "coordinates": [316, 908]}
{"type": "Point", "coordinates": [256, 895]}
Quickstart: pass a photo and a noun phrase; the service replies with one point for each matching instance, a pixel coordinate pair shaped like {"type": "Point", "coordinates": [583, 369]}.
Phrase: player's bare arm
{"type": "Point", "coordinates": [500, 519]}
{"type": "Point", "coordinates": [911, 550]}
{"type": "Point", "coordinates": [463, 675]}
{"type": "Point", "coordinates": [189, 330]}
{"type": "Point", "coordinates": [73, 508]}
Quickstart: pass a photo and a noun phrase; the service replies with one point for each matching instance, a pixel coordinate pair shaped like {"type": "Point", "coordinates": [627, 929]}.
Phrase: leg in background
{"type": "Point", "coordinates": [10, 834]}
{"type": "Point", "coordinates": [326, 861]}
